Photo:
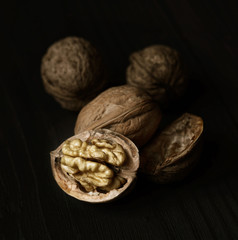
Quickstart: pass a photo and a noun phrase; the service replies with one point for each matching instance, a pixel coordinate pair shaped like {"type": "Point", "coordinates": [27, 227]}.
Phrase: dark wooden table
{"type": "Point", "coordinates": [204, 205]}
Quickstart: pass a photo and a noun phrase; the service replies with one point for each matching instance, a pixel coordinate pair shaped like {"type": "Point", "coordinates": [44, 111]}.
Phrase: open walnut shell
{"type": "Point", "coordinates": [126, 172]}
{"type": "Point", "coordinates": [125, 109]}
{"type": "Point", "coordinates": [170, 155]}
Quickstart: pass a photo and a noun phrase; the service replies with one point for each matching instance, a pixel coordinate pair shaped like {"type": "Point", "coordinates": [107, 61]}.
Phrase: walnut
{"type": "Point", "coordinates": [77, 161]}
{"type": "Point", "coordinates": [158, 69]}
{"type": "Point", "coordinates": [170, 155]}
{"type": "Point", "coordinates": [72, 72]}
{"type": "Point", "coordinates": [98, 149]}
{"type": "Point", "coordinates": [95, 166]}
{"type": "Point", "coordinates": [124, 109]}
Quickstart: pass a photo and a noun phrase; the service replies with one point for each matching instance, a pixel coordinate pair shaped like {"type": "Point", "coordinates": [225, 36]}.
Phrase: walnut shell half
{"type": "Point", "coordinates": [127, 110]}
{"type": "Point", "coordinates": [127, 171]}
{"type": "Point", "coordinates": [170, 155]}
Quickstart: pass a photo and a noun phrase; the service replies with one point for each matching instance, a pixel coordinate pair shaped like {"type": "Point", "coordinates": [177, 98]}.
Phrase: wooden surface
{"type": "Point", "coordinates": [204, 205]}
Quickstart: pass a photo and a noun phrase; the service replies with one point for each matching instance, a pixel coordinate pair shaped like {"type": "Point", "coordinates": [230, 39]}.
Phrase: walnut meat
{"type": "Point", "coordinates": [72, 72]}
{"type": "Point", "coordinates": [95, 166]}
{"type": "Point", "coordinates": [157, 69]}
{"type": "Point", "coordinates": [170, 155]}
{"type": "Point", "coordinates": [127, 110]}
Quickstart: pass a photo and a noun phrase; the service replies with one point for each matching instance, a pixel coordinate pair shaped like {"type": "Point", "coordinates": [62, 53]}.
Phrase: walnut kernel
{"type": "Point", "coordinates": [86, 162]}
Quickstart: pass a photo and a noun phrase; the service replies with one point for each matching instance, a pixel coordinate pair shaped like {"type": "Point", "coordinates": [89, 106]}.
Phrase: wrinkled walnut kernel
{"type": "Point", "coordinates": [86, 163]}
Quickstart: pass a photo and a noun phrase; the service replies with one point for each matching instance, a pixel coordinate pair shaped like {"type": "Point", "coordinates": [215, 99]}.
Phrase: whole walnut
{"type": "Point", "coordinates": [158, 69]}
{"type": "Point", "coordinates": [170, 155]}
{"type": "Point", "coordinates": [125, 109]}
{"type": "Point", "coordinates": [72, 72]}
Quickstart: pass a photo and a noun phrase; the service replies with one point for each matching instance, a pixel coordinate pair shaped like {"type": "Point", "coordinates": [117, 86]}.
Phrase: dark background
{"type": "Point", "coordinates": [204, 205]}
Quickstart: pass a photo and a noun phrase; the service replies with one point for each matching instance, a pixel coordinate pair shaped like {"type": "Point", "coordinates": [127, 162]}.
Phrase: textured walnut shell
{"type": "Point", "coordinates": [170, 155]}
{"type": "Point", "coordinates": [72, 72]}
{"type": "Point", "coordinates": [158, 70]}
{"type": "Point", "coordinates": [125, 109]}
{"type": "Point", "coordinates": [127, 171]}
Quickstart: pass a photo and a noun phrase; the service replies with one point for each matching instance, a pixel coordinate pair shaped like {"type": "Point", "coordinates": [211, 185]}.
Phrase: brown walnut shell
{"type": "Point", "coordinates": [127, 170]}
{"type": "Point", "coordinates": [72, 72]}
{"type": "Point", "coordinates": [157, 69]}
{"type": "Point", "coordinates": [170, 155]}
{"type": "Point", "coordinates": [127, 110]}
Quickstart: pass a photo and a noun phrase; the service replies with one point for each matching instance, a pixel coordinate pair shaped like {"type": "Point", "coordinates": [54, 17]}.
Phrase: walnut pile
{"type": "Point", "coordinates": [72, 72]}
{"type": "Point", "coordinates": [100, 162]}
{"type": "Point", "coordinates": [158, 69]}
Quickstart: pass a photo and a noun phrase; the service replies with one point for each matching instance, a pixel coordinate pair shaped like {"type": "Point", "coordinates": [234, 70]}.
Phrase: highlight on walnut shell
{"type": "Point", "coordinates": [171, 155]}
{"type": "Point", "coordinates": [125, 109]}
{"type": "Point", "coordinates": [72, 72]}
{"type": "Point", "coordinates": [159, 70]}
{"type": "Point", "coordinates": [95, 166]}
